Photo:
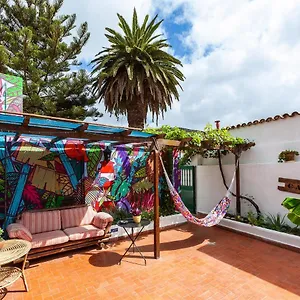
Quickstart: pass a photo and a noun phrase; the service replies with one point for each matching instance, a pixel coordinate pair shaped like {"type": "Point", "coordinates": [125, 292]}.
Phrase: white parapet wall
{"type": "Point", "coordinates": [117, 231]}
{"type": "Point", "coordinates": [257, 180]}
{"type": "Point", "coordinates": [266, 234]}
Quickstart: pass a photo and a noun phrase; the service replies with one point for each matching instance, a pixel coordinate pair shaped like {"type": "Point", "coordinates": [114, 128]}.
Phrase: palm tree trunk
{"type": "Point", "coordinates": [136, 114]}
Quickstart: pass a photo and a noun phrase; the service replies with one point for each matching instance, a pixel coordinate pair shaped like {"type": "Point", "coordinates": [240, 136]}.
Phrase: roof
{"type": "Point", "coordinates": [56, 129]}
{"type": "Point", "coordinates": [269, 119]}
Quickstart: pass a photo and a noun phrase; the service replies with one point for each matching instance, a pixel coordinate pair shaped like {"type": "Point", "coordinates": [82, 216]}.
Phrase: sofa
{"type": "Point", "coordinates": [58, 230]}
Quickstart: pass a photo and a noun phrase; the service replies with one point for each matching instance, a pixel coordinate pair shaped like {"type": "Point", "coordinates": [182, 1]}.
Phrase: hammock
{"type": "Point", "coordinates": [213, 218]}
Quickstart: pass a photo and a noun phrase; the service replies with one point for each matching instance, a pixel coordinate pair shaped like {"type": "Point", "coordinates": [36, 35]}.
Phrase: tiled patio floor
{"type": "Point", "coordinates": [195, 263]}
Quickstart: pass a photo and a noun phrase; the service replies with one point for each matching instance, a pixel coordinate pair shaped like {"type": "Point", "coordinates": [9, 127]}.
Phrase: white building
{"type": "Point", "coordinates": [259, 166]}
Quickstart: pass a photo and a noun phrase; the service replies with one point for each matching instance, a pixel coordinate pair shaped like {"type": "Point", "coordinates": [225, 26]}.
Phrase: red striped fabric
{"type": "Point", "coordinates": [18, 231]}
{"type": "Point", "coordinates": [44, 221]}
{"type": "Point", "coordinates": [83, 232]}
{"type": "Point", "coordinates": [74, 217]}
{"type": "Point", "coordinates": [49, 238]}
{"type": "Point", "coordinates": [101, 219]}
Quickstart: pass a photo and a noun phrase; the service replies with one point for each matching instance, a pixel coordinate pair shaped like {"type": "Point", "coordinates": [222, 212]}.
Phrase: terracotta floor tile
{"type": "Point", "coordinates": [195, 263]}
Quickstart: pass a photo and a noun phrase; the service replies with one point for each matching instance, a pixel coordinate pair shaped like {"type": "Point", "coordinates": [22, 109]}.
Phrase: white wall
{"type": "Point", "coordinates": [257, 180]}
{"type": "Point", "coordinates": [259, 167]}
{"type": "Point", "coordinates": [270, 137]}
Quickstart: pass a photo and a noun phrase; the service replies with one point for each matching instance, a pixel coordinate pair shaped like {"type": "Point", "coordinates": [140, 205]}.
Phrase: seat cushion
{"type": "Point", "coordinates": [49, 238]}
{"type": "Point", "coordinates": [74, 217]}
{"type": "Point", "coordinates": [101, 220]}
{"type": "Point", "coordinates": [83, 232]}
{"type": "Point", "coordinates": [41, 221]}
{"type": "Point", "coordinates": [18, 231]}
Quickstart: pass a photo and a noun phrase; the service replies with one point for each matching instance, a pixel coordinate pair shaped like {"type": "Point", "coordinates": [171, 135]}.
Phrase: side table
{"type": "Point", "coordinates": [10, 251]}
{"type": "Point", "coordinates": [127, 224]}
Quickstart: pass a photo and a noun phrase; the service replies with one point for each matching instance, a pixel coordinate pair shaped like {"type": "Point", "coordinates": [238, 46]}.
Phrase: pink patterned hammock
{"type": "Point", "coordinates": [213, 218]}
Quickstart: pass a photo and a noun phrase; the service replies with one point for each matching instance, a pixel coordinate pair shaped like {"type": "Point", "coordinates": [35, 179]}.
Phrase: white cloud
{"type": "Point", "coordinates": [253, 71]}
{"type": "Point", "coordinates": [100, 14]}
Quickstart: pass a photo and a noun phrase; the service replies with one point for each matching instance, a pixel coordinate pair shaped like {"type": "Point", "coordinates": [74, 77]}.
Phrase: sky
{"type": "Point", "coordinates": [240, 57]}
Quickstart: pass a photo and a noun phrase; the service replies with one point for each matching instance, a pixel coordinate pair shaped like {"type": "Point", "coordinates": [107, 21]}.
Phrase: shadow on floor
{"type": "Point", "coordinates": [270, 263]}
{"type": "Point", "coordinates": [196, 238]}
{"type": "Point", "coordinates": [104, 259]}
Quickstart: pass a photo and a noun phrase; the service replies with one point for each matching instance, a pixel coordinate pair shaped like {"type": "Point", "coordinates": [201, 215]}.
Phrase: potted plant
{"type": "Point", "coordinates": [136, 215]}
{"type": "Point", "coordinates": [287, 155]}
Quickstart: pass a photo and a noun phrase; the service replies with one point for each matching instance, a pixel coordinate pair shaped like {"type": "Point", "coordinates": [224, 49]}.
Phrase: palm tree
{"type": "Point", "coordinates": [134, 75]}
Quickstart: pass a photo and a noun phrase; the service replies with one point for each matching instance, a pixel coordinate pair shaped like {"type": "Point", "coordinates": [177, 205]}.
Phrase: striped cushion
{"type": "Point", "coordinates": [74, 217]}
{"type": "Point", "coordinates": [83, 232]}
{"type": "Point", "coordinates": [49, 238]}
{"type": "Point", "coordinates": [18, 231]}
{"type": "Point", "coordinates": [41, 221]}
{"type": "Point", "coordinates": [101, 219]}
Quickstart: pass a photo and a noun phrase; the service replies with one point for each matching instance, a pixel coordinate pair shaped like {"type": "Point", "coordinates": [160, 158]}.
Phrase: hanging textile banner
{"type": "Point", "coordinates": [11, 93]}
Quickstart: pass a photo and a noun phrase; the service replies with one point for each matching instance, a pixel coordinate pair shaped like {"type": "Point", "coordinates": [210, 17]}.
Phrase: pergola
{"type": "Point", "coordinates": [19, 125]}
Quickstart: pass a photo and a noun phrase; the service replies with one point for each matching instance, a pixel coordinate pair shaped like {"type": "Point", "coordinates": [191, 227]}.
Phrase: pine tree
{"type": "Point", "coordinates": [37, 43]}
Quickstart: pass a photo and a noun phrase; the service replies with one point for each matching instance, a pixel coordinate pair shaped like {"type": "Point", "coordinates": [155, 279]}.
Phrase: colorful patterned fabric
{"type": "Point", "coordinates": [41, 221]}
{"type": "Point", "coordinates": [212, 219]}
{"type": "Point", "coordinates": [50, 238]}
{"type": "Point", "coordinates": [18, 231]}
{"type": "Point", "coordinates": [74, 217]}
{"type": "Point", "coordinates": [101, 219]}
{"type": "Point", "coordinates": [83, 232]}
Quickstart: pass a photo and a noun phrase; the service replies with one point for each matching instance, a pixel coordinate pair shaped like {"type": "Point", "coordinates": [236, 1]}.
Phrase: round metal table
{"type": "Point", "coordinates": [127, 224]}
{"type": "Point", "coordinates": [11, 250]}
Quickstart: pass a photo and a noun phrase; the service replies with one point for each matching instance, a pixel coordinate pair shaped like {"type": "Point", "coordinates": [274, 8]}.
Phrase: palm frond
{"type": "Point", "coordinates": [134, 74]}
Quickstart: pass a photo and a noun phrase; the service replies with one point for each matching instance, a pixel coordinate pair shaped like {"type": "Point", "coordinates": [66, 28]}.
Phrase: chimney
{"type": "Point", "coordinates": [217, 124]}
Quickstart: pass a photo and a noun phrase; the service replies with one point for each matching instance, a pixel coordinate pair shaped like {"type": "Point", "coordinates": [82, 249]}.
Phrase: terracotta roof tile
{"type": "Point", "coordinates": [269, 119]}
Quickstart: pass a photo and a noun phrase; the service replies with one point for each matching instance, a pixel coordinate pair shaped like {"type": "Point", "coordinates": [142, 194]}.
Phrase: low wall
{"type": "Point", "coordinates": [257, 180]}
{"type": "Point", "coordinates": [164, 222]}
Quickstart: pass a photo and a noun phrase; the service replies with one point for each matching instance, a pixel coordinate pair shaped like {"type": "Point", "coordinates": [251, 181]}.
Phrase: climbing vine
{"type": "Point", "coordinates": [198, 141]}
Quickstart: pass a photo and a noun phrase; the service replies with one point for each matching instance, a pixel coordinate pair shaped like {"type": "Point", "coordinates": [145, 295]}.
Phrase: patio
{"type": "Point", "coordinates": [195, 263]}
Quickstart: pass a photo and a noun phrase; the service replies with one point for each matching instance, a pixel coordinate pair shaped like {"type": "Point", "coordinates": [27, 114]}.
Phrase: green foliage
{"type": "Point", "coordinates": [275, 222]}
{"type": "Point", "coordinates": [219, 137]}
{"type": "Point", "coordinates": [255, 220]}
{"type": "Point", "coordinates": [120, 214]}
{"type": "Point", "coordinates": [283, 155]}
{"type": "Point", "coordinates": [134, 75]}
{"type": "Point", "coordinates": [38, 44]}
{"type": "Point", "coordinates": [216, 138]}
{"type": "Point", "coordinates": [293, 205]}
{"type": "Point", "coordinates": [149, 215]}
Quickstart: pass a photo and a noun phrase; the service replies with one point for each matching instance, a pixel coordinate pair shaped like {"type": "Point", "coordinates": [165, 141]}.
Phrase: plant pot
{"type": "Point", "coordinates": [137, 219]}
{"type": "Point", "coordinates": [289, 157]}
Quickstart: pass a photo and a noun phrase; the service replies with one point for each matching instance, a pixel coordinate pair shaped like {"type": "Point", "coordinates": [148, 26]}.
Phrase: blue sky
{"type": "Point", "coordinates": [240, 58]}
{"type": "Point", "coordinates": [175, 29]}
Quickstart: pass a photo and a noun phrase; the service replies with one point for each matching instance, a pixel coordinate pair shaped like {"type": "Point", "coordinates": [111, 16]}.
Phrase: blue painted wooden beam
{"type": "Point", "coordinates": [17, 197]}
{"type": "Point", "coordinates": [66, 162]}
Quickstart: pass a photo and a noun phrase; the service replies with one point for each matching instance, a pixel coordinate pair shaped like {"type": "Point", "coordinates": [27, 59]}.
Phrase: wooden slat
{"type": "Point", "coordinates": [70, 134]}
{"type": "Point", "coordinates": [291, 185]}
{"type": "Point", "coordinates": [172, 143]}
{"type": "Point", "coordinates": [65, 120]}
{"type": "Point", "coordinates": [83, 127]}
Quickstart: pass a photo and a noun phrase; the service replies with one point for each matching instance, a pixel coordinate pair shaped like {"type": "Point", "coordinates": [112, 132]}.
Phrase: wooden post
{"type": "Point", "coordinates": [156, 206]}
{"type": "Point", "coordinates": [238, 186]}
